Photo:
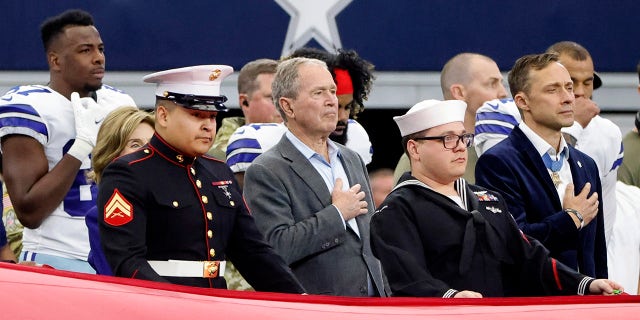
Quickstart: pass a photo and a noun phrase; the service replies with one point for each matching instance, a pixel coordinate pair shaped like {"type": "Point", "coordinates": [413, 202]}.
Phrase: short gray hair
{"type": "Point", "coordinates": [286, 84]}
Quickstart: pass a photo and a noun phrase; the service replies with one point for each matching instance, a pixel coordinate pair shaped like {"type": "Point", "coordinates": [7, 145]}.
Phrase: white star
{"type": "Point", "coordinates": [312, 19]}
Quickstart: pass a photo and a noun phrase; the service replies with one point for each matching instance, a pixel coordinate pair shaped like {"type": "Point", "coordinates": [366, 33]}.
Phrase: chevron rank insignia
{"type": "Point", "coordinates": [118, 211]}
{"type": "Point", "coordinates": [484, 196]}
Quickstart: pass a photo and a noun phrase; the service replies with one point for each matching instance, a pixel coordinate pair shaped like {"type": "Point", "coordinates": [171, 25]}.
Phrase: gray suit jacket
{"type": "Point", "coordinates": [292, 207]}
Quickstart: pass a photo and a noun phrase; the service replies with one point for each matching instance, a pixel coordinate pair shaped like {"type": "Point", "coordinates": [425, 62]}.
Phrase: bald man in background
{"type": "Point", "coordinates": [474, 79]}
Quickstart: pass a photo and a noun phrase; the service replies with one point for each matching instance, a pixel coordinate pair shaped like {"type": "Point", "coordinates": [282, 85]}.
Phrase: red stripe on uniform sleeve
{"type": "Point", "coordinates": [524, 237]}
{"type": "Point", "coordinates": [555, 273]}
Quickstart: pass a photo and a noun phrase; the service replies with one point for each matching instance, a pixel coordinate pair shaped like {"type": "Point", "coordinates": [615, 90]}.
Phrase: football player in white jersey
{"type": "Point", "coordinates": [250, 141]}
{"type": "Point", "coordinates": [495, 119]}
{"type": "Point", "coordinates": [601, 139]}
{"type": "Point", "coordinates": [47, 133]}
{"type": "Point", "coordinates": [354, 78]}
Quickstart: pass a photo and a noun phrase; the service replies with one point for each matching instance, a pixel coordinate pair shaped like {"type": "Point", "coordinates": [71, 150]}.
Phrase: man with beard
{"type": "Point", "coordinates": [47, 134]}
{"type": "Point", "coordinates": [353, 77]}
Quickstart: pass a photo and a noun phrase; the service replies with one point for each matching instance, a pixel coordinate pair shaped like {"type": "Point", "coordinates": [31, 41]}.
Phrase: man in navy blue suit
{"type": "Point", "coordinates": [550, 187]}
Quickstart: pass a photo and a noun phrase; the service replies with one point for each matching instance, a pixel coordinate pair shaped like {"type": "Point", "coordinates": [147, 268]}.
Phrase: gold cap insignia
{"type": "Point", "coordinates": [214, 74]}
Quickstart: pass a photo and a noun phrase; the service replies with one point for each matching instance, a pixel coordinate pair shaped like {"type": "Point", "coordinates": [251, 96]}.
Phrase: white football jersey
{"type": "Point", "coordinates": [252, 140]}
{"type": "Point", "coordinates": [358, 141]}
{"type": "Point", "coordinates": [602, 141]}
{"type": "Point", "coordinates": [41, 113]}
{"type": "Point", "coordinates": [494, 121]}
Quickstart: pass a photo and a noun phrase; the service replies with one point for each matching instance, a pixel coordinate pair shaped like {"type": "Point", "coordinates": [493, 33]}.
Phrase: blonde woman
{"type": "Point", "coordinates": [123, 131]}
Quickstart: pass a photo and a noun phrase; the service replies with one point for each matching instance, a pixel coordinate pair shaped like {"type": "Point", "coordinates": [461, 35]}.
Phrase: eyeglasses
{"type": "Point", "coordinates": [450, 141]}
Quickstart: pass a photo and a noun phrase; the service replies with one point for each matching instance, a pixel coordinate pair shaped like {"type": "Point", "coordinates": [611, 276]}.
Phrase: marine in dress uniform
{"type": "Point", "coordinates": [437, 236]}
{"type": "Point", "coordinates": [171, 217]}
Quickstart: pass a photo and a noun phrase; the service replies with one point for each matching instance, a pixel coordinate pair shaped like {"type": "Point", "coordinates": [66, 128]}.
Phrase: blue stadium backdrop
{"type": "Point", "coordinates": [402, 35]}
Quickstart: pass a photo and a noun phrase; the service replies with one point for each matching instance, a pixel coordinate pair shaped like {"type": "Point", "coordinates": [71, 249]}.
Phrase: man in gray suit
{"type": "Point", "coordinates": [311, 197]}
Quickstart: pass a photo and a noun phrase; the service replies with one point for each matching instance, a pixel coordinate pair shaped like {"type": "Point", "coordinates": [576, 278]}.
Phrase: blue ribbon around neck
{"type": "Point", "coordinates": [553, 165]}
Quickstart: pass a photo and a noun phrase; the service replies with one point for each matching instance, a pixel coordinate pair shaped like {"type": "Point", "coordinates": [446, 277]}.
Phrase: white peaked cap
{"type": "Point", "coordinates": [203, 80]}
{"type": "Point", "coordinates": [430, 113]}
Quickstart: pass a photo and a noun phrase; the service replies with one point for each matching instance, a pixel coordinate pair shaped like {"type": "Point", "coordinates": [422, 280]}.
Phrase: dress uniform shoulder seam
{"type": "Point", "coordinates": [141, 155]}
{"type": "Point", "coordinates": [135, 156]}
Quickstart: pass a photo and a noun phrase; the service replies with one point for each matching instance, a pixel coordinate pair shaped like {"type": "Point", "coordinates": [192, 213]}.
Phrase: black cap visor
{"type": "Point", "coordinates": [202, 103]}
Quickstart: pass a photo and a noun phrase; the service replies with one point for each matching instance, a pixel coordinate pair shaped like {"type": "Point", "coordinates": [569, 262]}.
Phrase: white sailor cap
{"type": "Point", "coordinates": [430, 113]}
{"type": "Point", "coordinates": [196, 87]}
